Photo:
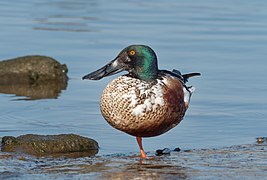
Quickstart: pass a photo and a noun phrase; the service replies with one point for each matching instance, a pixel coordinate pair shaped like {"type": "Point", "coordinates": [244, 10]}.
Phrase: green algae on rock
{"type": "Point", "coordinates": [70, 145]}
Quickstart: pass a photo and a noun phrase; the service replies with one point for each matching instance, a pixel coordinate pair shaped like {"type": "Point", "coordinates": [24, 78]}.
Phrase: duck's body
{"type": "Point", "coordinates": [146, 102]}
{"type": "Point", "coordinates": [141, 108]}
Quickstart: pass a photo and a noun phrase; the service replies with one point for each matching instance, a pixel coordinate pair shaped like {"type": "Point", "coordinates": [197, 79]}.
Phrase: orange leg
{"type": "Point", "coordinates": [139, 141]}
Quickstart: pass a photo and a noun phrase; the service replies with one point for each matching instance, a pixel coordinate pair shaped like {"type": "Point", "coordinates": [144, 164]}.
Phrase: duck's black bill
{"type": "Point", "coordinates": [109, 69]}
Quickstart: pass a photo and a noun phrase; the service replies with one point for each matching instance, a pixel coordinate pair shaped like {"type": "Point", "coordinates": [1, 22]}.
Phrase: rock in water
{"type": "Point", "coordinates": [165, 151]}
{"type": "Point", "coordinates": [50, 145]}
{"type": "Point", "coordinates": [36, 77]}
{"type": "Point", "coordinates": [177, 149]}
{"type": "Point", "coordinates": [31, 69]}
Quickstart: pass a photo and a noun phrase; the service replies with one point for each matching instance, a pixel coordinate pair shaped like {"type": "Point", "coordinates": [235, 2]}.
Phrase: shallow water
{"type": "Point", "coordinates": [235, 162]}
{"type": "Point", "coordinates": [225, 41]}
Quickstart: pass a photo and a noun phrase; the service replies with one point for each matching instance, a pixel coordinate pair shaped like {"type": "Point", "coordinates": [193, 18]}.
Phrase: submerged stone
{"type": "Point", "coordinates": [71, 145]}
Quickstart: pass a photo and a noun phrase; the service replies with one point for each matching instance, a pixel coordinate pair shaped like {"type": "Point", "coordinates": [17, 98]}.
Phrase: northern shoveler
{"type": "Point", "coordinates": [147, 101]}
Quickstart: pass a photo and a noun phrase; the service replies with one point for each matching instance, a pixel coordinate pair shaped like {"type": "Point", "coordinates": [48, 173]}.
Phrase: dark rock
{"type": "Point", "coordinates": [36, 77]}
{"type": "Point", "coordinates": [177, 149]}
{"type": "Point", "coordinates": [31, 69]}
{"type": "Point", "coordinates": [165, 151]}
{"type": "Point", "coordinates": [50, 145]}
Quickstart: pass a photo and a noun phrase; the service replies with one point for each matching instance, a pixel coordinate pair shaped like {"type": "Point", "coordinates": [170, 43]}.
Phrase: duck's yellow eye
{"type": "Point", "coordinates": [132, 52]}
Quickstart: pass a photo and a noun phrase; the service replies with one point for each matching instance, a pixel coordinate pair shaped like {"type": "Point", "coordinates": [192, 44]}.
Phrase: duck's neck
{"type": "Point", "coordinates": [147, 73]}
{"type": "Point", "coordinates": [147, 68]}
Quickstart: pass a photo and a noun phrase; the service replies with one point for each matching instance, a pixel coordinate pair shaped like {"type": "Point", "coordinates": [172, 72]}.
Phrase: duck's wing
{"type": "Point", "coordinates": [188, 90]}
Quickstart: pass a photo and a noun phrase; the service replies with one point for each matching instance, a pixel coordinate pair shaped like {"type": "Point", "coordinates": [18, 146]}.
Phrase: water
{"type": "Point", "coordinates": [226, 41]}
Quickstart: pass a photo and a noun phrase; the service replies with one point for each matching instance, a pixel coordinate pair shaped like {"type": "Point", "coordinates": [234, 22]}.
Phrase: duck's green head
{"type": "Point", "coordinates": [139, 60]}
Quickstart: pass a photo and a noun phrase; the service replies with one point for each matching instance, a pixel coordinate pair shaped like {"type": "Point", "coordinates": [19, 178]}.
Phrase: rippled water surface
{"type": "Point", "coordinates": [224, 40]}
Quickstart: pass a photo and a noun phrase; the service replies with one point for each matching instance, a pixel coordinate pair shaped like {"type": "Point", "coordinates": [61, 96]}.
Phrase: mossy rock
{"type": "Point", "coordinates": [50, 145]}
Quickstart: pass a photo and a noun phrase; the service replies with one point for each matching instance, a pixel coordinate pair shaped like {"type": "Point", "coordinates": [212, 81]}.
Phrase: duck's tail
{"type": "Point", "coordinates": [189, 75]}
{"type": "Point", "coordinates": [185, 77]}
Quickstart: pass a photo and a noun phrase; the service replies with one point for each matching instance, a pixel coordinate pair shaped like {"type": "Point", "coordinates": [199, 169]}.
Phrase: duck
{"type": "Point", "coordinates": [145, 102]}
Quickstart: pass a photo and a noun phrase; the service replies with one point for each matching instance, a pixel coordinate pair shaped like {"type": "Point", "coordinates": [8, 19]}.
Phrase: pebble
{"type": "Point", "coordinates": [165, 151]}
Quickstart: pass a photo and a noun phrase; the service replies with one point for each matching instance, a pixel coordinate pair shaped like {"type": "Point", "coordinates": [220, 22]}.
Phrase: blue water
{"type": "Point", "coordinates": [224, 40]}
